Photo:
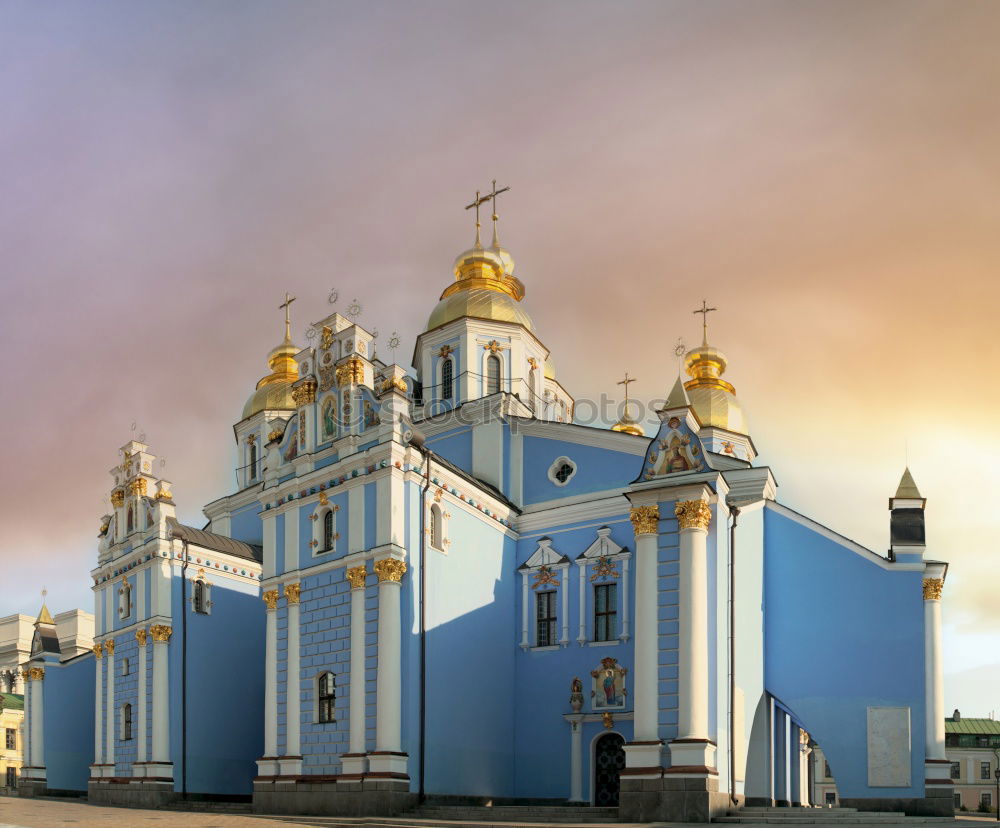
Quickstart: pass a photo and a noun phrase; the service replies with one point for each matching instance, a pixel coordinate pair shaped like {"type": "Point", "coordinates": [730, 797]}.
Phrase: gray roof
{"type": "Point", "coordinates": [217, 543]}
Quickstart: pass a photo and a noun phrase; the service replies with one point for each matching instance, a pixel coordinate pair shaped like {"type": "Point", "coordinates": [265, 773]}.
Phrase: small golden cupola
{"type": "Point", "coordinates": [485, 286]}
{"type": "Point", "coordinates": [274, 391]}
{"type": "Point", "coordinates": [712, 398]}
{"type": "Point", "coordinates": [627, 424]}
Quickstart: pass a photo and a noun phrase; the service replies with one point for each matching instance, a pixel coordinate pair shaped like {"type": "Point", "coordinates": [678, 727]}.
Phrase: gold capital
{"type": "Point", "coordinates": [932, 588]}
{"type": "Point", "coordinates": [390, 569]}
{"type": "Point", "coordinates": [26, 674]}
{"type": "Point", "coordinates": [304, 393]}
{"type": "Point", "coordinates": [357, 575]}
{"type": "Point", "coordinates": [292, 592]}
{"type": "Point", "coordinates": [271, 599]}
{"type": "Point", "coordinates": [161, 633]}
{"type": "Point", "coordinates": [140, 636]}
{"type": "Point", "coordinates": [37, 673]}
{"type": "Point", "coordinates": [109, 646]}
{"type": "Point", "coordinates": [117, 498]}
{"type": "Point", "coordinates": [645, 519]}
{"type": "Point", "coordinates": [693, 514]}
{"type": "Point", "coordinates": [98, 651]}
{"type": "Point", "coordinates": [138, 486]}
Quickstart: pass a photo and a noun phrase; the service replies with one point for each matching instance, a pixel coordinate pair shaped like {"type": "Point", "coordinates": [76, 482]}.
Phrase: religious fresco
{"type": "Point", "coordinates": [329, 417]}
{"type": "Point", "coordinates": [674, 450]}
{"type": "Point", "coordinates": [291, 450]}
{"type": "Point", "coordinates": [608, 692]}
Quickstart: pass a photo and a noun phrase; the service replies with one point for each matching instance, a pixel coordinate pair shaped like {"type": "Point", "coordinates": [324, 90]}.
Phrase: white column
{"type": "Point", "coordinates": [140, 745]}
{"type": "Point", "coordinates": [354, 762]}
{"type": "Point", "coordinates": [161, 697]}
{"type": "Point", "coordinates": [38, 721]}
{"type": "Point", "coordinates": [933, 583]}
{"type": "Point", "coordinates": [26, 724]}
{"type": "Point", "coordinates": [109, 705]}
{"type": "Point", "coordinates": [271, 676]}
{"type": "Point", "coordinates": [524, 611]}
{"type": "Point", "coordinates": [693, 517]}
{"type": "Point", "coordinates": [576, 760]}
{"type": "Point", "coordinates": [625, 630]}
{"type": "Point", "coordinates": [581, 577]}
{"type": "Point", "coordinates": [98, 707]}
{"type": "Point", "coordinates": [645, 753]}
{"type": "Point", "coordinates": [292, 764]}
{"type": "Point", "coordinates": [388, 682]}
{"type": "Point", "coordinates": [564, 589]}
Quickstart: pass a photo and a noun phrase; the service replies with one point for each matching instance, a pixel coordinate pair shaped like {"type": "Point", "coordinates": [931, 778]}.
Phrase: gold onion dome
{"type": "Point", "coordinates": [484, 288]}
{"type": "Point", "coordinates": [274, 391]}
{"type": "Point", "coordinates": [712, 398]}
{"type": "Point", "coordinates": [628, 425]}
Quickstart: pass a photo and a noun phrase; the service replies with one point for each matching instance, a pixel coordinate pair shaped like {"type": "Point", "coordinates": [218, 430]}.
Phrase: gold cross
{"type": "Point", "coordinates": [286, 305]}
{"type": "Point", "coordinates": [626, 383]}
{"type": "Point", "coordinates": [491, 196]}
{"type": "Point", "coordinates": [704, 310]}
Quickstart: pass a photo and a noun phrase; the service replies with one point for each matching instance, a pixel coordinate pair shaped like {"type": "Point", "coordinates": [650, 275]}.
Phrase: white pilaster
{"type": "Point", "coordinates": [388, 755]}
{"type": "Point", "coordinates": [268, 765]}
{"type": "Point", "coordinates": [98, 707]}
{"type": "Point", "coordinates": [581, 570]}
{"type": "Point", "coordinates": [354, 762]}
{"type": "Point", "coordinates": [564, 590]}
{"type": "Point", "coordinates": [643, 753]}
{"type": "Point", "coordinates": [356, 518]}
{"type": "Point", "coordinates": [291, 763]}
{"type": "Point", "coordinates": [524, 611]}
{"type": "Point", "coordinates": [693, 748]}
{"type": "Point", "coordinates": [161, 701]}
{"type": "Point", "coordinates": [576, 759]}
{"type": "Point", "coordinates": [38, 721]}
{"type": "Point", "coordinates": [110, 713]}
{"type": "Point", "coordinates": [625, 635]}
{"type": "Point", "coordinates": [26, 725]}
{"type": "Point", "coordinates": [933, 583]}
{"type": "Point", "coordinates": [291, 559]}
{"type": "Point", "coordinates": [140, 745]}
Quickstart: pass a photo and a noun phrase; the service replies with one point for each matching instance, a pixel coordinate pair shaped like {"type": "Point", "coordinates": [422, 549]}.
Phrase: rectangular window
{"type": "Point", "coordinates": [984, 770]}
{"type": "Point", "coordinates": [11, 738]}
{"type": "Point", "coordinates": [958, 801]}
{"type": "Point", "coordinates": [986, 799]}
{"type": "Point", "coordinates": [956, 770]}
{"type": "Point", "coordinates": [831, 798]}
{"type": "Point", "coordinates": [545, 615]}
{"type": "Point", "coordinates": [11, 777]}
{"type": "Point", "coordinates": [605, 612]}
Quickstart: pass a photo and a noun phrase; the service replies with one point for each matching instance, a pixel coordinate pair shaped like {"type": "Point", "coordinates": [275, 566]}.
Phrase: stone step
{"type": "Point", "coordinates": [399, 822]}
{"type": "Point", "coordinates": [209, 807]}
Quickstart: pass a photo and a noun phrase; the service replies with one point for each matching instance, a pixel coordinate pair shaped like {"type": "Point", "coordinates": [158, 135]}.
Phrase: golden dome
{"type": "Point", "coordinates": [712, 398]}
{"type": "Point", "coordinates": [274, 391]}
{"type": "Point", "coordinates": [482, 303]}
{"type": "Point", "coordinates": [629, 426]}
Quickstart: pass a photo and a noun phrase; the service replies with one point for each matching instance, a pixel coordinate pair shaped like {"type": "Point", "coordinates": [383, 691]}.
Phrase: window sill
{"type": "Point", "coordinates": [610, 643]}
{"type": "Point", "coordinates": [545, 649]}
{"type": "Point", "coordinates": [319, 552]}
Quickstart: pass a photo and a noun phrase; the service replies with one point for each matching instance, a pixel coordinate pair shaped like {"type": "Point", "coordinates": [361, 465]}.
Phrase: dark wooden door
{"type": "Point", "coordinates": [609, 760]}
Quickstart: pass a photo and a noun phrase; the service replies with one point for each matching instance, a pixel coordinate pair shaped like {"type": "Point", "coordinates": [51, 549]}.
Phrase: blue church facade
{"type": "Point", "coordinates": [432, 582]}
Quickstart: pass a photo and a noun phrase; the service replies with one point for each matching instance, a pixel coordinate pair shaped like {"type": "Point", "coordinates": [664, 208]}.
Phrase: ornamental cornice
{"type": "Point", "coordinates": [933, 588]}
{"type": "Point", "coordinates": [645, 519]}
{"type": "Point", "coordinates": [693, 514]}
{"type": "Point", "coordinates": [390, 570]}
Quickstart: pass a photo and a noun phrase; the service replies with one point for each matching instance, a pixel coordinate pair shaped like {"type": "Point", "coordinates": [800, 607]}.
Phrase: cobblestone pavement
{"type": "Point", "coordinates": [46, 813]}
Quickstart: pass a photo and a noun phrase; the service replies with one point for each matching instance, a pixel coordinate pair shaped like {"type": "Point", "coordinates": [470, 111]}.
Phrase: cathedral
{"type": "Point", "coordinates": [431, 582]}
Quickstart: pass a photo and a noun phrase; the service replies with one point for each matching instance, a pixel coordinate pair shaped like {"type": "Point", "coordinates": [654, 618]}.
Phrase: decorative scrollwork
{"type": "Point", "coordinates": [933, 588]}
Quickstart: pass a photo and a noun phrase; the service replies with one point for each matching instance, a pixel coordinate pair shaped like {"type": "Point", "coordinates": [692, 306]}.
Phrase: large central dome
{"type": "Point", "coordinates": [481, 303]}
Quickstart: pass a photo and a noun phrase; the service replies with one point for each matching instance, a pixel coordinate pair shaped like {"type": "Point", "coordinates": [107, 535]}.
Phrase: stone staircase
{"type": "Point", "coordinates": [821, 816]}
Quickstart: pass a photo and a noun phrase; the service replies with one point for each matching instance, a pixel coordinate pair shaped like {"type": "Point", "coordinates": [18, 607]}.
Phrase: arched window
{"type": "Point", "coordinates": [130, 521]}
{"type": "Point", "coordinates": [252, 475]}
{"type": "Point", "coordinates": [200, 597]}
{"type": "Point", "coordinates": [126, 723]}
{"type": "Point", "coordinates": [447, 380]}
{"type": "Point", "coordinates": [492, 374]}
{"type": "Point", "coordinates": [328, 530]}
{"type": "Point", "coordinates": [125, 666]}
{"type": "Point", "coordinates": [326, 697]}
{"type": "Point", "coordinates": [437, 532]}
{"type": "Point", "coordinates": [124, 599]}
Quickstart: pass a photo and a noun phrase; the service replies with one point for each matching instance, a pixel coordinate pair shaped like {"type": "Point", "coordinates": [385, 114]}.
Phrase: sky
{"type": "Point", "coordinates": [823, 173]}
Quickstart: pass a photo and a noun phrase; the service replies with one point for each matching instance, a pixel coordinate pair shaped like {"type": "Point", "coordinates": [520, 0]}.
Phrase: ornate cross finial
{"type": "Point", "coordinates": [286, 305]}
{"type": "Point", "coordinates": [704, 310]}
{"type": "Point", "coordinates": [475, 205]}
{"type": "Point", "coordinates": [626, 382]}
{"type": "Point", "coordinates": [493, 196]}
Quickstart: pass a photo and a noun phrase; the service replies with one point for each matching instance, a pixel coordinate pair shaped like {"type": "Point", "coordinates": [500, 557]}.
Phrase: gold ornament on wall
{"type": "Point", "coordinates": [693, 514]}
{"type": "Point", "coordinates": [357, 575]}
{"type": "Point", "coordinates": [26, 674]}
{"type": "Point", "coordinates": [390, 569]}
{"type": "Point", "coordinates": [277, 434]}
{"type": "Point", "coordinates": [323, 499]}
{"type": "Point", "coordinates": [109, 646]}
{"type": "Point", "coordinates": [445, 351]}
{"type": "Point", "coordinates": [140, 636]}
{"type": "Point", "coordinates": [932, 588]}
{"type": "Point", "coordinates": [292, 592]}
{"type": "Point", "coordinates": [161, 633]}
{"type": "Point", "coordinates": [305, 393]}
{"type": "Point", "coordinates": [37, 673]}
{"type": "Point", "coordinates": [117, 498]}
{"type": "Point", "coordinates": [271, 598]}
{"type": "Point", "coordinates": [608, 720]}
{"type": "Point", "coordinates": [645, 519]}
{"type": "Point", "coordinates": [327, 340]}
{"type": "Point", "coordinates": [98, 650]}
{"type": "Point", "coordinates": [351, 371]}
{"type": "Point", "coordinates": [138, 486]}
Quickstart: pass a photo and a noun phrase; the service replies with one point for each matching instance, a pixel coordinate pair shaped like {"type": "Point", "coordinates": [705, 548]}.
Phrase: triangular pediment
{"type": "Point", "coordinates": [544, 555]}
{"type": "Point", "coordinates": [602, 547]}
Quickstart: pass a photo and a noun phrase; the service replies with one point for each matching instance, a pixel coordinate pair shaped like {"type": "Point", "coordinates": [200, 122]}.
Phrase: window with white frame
{"type": "Point", "coordinates": [200, 602]}
{"type": "Point", "coordinates": [956, 770]}
{"type": "Point", "coordinates": [984, 770]}
{"type": "Point", "coordinates": [604, 566]}
{"type": "Point", "coordinates": [125, 730]}
{"type": "Point", "coordinates": [447, 379]}
{"type": "Point", "coordinates": [562, 471]}
{"type": "Point", "coordinates": [493, 371]}
{"type": "Point", "coordinates": [544, 598]}
{"type": "Point", "coordinates": [986, 799]}
{"type": "Point", "coordinates": [124, 599]}
{"type": "Point", "coordinates": [327, 543]}
{"type": "Point", "coordinates": [125, 666]}
{"type": "Point", "coordinates": [324, 520]}
{"type": "Point", "coordinates": [326, 697]}
{"type": "Point", "coordinates": [605, 612]}
{"type": "Point", "coordinates": [437, 530]}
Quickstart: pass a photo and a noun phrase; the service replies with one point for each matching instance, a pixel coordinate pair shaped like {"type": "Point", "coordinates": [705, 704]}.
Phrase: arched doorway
{"type": "Point", "coordinates": [609, 760]}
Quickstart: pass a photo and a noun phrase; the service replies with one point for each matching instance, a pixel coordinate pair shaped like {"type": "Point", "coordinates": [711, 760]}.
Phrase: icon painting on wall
{"type": "Point", "coordinates": [608, 691]}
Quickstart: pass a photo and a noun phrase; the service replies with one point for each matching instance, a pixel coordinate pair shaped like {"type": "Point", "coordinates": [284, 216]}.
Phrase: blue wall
{"type": "Point", "coordinates": [596, 469]}
{"type": "Point", "coordinates": [873, 653]}
{"type": "Point", "coordinates": [69, 722]}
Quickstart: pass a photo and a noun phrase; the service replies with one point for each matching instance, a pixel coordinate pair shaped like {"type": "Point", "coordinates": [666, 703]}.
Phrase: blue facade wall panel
{"type": "Point", "coordinates": [69, 722]}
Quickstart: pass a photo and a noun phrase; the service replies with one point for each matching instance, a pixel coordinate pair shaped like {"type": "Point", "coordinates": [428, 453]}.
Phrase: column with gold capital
{"type": "Point", "coordinates": [109, 705]}
{"type": "Point", "coordinates": [643, 754]}
{"type": "Point", "coordinates": [96, 769]}
{"type": "Point", "coordinates": [27, 757]}
{"type": "Point", "coordinates": [353, 762]}
{"type": "Point", "coordinates": [161, 700]}
{"type": "Point", "coordinates": [292, 761]}
{"type": "Point", "coordinates": [271, 682]}
{"type": "Point", "coordinates": [138, 769]}
{"type": "Point", "coordinates": [38, 722]}
{"type": "Point", "coordinates": [933, 583]}
{"type": "Point", "coordinates": [692, 748]}
{"type": "Point", "coordinates": [388, 756]}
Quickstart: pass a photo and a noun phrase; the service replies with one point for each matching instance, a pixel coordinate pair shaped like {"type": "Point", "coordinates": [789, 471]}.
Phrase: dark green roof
{"type": "Point", "coordinates": [11, 701]}
{"type": "Point", "coordinates": [975, 727]}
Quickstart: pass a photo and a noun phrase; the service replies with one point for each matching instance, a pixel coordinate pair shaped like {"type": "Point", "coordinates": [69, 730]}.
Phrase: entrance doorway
{"type": "Point", "coordinates": [609, 760]}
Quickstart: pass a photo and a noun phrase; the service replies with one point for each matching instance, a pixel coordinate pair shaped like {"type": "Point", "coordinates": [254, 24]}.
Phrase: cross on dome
{"type": "Point", "coordinates": [704, 310]}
